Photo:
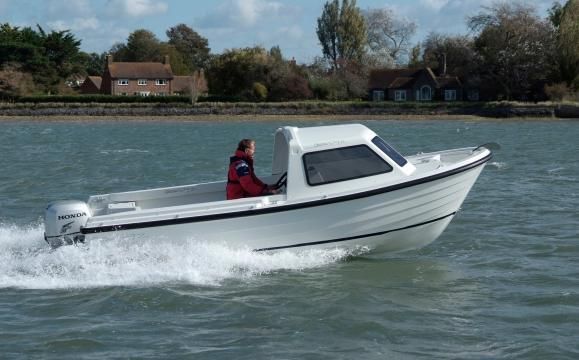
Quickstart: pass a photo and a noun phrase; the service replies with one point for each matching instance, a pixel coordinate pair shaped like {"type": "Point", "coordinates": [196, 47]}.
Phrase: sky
{"type": "Point", "coordinates": [228, 24]}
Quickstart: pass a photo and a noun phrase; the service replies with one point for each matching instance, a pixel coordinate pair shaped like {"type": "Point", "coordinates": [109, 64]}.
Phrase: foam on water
{"type": "Point", "coordinates": [124, 151]}
{"type": "Point", "coordinates": [498, 165]}
{"type": "Point", "coordinates": [26, 261]}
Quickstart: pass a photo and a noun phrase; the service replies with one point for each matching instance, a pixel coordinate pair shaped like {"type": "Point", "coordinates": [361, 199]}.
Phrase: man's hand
{"type": "Point", "coordinates": [272, 190]}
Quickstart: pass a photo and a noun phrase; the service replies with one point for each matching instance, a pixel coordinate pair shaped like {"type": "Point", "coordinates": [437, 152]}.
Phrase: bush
{"type": "Point", "coordinates": [328, 89]}
{"type": "Point", "coordinates": [14, 82]}
{"type": "Point", "coordinates": [259, 91]}
{"type": "Point", "coordinates": [556, 92]}
{"type": "Point", "coordinates": [219, 98]}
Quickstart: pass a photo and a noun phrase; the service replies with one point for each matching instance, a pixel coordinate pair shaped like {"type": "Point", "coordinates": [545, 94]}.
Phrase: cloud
{"type": "Point", "coordinates": [244, 13]}
{"type": "Point", "coordinates": [252, 10]}
{"type": "Point", "coordinates": [434, 4]}
{"type": "Point", "coordinates": [136, 8]}
{"type": "Point", "coordinates": [59, 8]}
{"type": "Point", "coordinates": [77, 25]}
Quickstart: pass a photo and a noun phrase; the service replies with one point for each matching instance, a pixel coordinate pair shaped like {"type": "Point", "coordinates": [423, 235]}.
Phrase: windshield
{"type": "Point", "coordinates": [389, 151]}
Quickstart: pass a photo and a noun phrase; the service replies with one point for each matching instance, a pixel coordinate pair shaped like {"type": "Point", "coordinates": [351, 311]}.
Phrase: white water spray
{"type": "Point", "coordinates": [26, 261]}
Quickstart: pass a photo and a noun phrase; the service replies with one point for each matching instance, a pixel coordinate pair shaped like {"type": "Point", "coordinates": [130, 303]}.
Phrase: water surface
{"type": "Point", "coordinates": [501, 282]}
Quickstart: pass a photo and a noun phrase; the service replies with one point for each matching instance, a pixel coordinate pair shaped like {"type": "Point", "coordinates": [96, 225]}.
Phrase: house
{"type": "Point", "coordinates": [91, 85]}
{"type": "Point", "coordinates": [182, 85]}
{"type": "Point", "coordinates": [144, 79]}
{"type": "Point", "coordinates": [413, 85]}
{"type": "Point", "coordinates": [137, 78]}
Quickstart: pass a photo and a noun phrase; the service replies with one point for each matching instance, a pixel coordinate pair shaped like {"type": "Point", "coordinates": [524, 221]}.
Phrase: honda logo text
{"type": "Point", "coordinates": [71, 216]}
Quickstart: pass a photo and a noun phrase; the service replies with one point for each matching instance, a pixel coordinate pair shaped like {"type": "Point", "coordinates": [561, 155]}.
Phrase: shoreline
{"type": "Point", "coordinates": [288, 111]}
{"type": "Point", "coordinates": [261, 117]}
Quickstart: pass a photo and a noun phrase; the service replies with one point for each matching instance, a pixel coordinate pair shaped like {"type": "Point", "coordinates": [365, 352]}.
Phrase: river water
{"type": "Point", "coordinates": [502, 282]}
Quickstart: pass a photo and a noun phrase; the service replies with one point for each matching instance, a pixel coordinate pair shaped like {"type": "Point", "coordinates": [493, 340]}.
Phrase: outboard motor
{"type": "Point", "coordinates": [63, 220]}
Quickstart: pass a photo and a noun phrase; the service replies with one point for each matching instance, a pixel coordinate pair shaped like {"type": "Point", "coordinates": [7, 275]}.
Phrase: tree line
{"type": "Point", "coordinates": [510, 53]}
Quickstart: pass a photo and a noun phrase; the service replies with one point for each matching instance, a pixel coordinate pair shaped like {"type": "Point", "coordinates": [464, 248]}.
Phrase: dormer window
{"type": "Point", "coordinates": [161, 82]}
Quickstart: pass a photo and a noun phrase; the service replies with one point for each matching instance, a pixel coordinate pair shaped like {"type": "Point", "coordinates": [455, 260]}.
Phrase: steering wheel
{"type": "Point", "coordinates": [282, 181]}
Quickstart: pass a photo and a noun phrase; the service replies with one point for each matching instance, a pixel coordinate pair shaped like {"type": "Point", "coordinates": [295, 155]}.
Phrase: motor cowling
{"type": "Point", "coordinates": [63, 221]}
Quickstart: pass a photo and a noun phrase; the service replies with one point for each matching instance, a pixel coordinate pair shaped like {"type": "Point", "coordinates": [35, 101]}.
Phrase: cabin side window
{"type": "Point", "coordinates": [329, 166]}
{"type": "Point", "coordinates": [390, 151]}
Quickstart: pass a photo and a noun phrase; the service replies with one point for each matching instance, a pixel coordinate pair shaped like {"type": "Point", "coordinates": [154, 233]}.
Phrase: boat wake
{"type": "Point", "coordinates": [26, 261]}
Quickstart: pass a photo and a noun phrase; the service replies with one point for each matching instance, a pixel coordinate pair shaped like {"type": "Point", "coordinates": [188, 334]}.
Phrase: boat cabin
{"type": "Point", "coordinates": [333, 159]}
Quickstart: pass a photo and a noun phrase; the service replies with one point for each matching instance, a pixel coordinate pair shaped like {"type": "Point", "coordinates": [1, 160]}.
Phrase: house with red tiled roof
{"type": "Point", "coordinates": [144, 79]}
{"type": "Point", "coordinates": [91, 85]}
{"type": "Point", "coordinates": [413, 85]}
{"type": "Point", "coordinates": [137, 78]}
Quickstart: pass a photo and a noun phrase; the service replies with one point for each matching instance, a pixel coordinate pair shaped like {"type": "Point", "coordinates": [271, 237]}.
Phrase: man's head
{"type": "Point", "coordinates": [247, 146]}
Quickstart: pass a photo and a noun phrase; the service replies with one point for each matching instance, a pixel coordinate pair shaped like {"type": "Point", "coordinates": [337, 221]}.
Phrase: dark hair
{"type": "Point", "coordinates": [245, 144]}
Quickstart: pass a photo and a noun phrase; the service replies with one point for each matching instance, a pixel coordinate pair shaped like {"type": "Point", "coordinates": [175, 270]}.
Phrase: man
{"type": "Point", "coordinates": [241, 179]}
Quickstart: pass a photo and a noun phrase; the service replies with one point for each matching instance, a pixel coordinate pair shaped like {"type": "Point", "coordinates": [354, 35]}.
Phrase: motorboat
{"type": "Point", "coordinates": [339, 186]}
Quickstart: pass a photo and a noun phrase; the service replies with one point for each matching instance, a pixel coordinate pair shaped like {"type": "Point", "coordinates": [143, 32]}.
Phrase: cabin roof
{"type": "Point", "coordinates": [324, 137]}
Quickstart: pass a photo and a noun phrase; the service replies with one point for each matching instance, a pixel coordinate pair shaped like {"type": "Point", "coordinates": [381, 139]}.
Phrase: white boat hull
{"type": "Point", "coordinates": [392, 221]}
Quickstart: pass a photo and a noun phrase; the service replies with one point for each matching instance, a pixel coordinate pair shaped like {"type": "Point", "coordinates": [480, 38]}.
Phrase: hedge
{"type": "Point", "coordinates": [103, 99]}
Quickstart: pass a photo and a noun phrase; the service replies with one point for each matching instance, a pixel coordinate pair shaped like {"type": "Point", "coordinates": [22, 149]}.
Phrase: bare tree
{"type": "Point", "coordinates": [389, 35]}
{"type": "Point", "coordinates": [196, 84]}
{"type": "Point", "coordinates": [456, 51]}
{"type": "Point", "coordinates": [14, 82]}
{"type": "Point", "coordinates": [516, 49]}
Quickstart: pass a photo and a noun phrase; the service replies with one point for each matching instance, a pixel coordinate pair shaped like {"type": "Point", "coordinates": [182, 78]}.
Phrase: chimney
{"type": "Point", "coordinates": [109, 59]}
{"type": "Point", "coordinates": [443, 67]}
{"type": "Point", "coordinates": [166, 60]}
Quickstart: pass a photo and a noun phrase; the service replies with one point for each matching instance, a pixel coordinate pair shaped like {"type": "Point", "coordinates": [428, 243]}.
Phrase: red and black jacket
{"type": "Point", "coordinates": [241, 179]}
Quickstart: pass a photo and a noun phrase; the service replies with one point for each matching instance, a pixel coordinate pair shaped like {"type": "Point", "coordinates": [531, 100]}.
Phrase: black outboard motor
{"type": "Point", "coordinates": [63, 221]}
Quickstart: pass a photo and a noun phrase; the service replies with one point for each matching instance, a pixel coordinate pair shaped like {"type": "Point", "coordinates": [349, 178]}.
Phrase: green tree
{"type": "Point", "coordinates": [327, 30]}
{"type": "Point", "coordinates": [352, 32]}
{"type": "Point", "coordinates": [62, 50]}
{"type": "Point", "coordinates": [234, 72]}
{"type": "Point", "coordinates": [22, 47]}
{"type": "Point", "coordinates": [49, 58]}
{"type": "Point", "coordinates": [275, 53]}
{"type": "Point", "coordinates": [143, 46]}
{"type": "Point", "coordinates": [342, 33]}
{"type": "Point", "coordinates": [193, 47]}
{"type": "Point", "coordinates": [515, 49]}
{"type": "Point", "coordinates": [119, 52]}
{"type": "Point", "coordinates": [93, 63]}
{"type": "Point", "coordinates": [179, 64]}
{"type": "Point", "coordinates": [414, 58]}
{"type": "Point", "coordinates": [566, 21]}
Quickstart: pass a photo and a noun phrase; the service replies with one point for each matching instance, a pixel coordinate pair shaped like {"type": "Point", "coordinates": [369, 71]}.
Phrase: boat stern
{"type": "Point", "coordinates": [63, 221]}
